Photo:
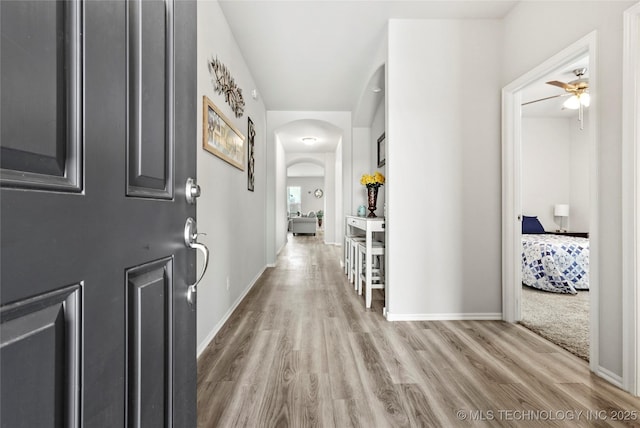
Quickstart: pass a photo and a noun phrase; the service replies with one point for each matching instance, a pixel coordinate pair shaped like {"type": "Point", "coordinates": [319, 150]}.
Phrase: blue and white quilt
{"type": "Point", "coordinates": [555, 263]}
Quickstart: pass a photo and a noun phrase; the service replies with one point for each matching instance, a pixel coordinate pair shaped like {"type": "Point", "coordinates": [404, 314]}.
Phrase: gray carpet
{"type": "Point", "coordinates": [560, 318]}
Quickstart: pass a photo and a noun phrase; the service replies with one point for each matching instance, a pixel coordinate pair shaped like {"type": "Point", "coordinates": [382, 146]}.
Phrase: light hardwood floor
{"type": "Point", "coordinates": [301, 350]}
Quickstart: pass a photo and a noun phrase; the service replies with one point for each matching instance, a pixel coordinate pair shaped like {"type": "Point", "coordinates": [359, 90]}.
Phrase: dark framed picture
{"type": "Point", "coordinates": [250, 158]}
{"type": "Point", "coordinates": [381, 151]}
{"type": "Point", "coordinates": [220, 137]}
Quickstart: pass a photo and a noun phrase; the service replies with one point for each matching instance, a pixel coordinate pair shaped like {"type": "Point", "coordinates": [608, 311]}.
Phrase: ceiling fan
{"type": "Point", "coordinates": [577, 90]}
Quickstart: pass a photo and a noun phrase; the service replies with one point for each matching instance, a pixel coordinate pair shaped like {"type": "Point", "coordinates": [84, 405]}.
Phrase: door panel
{"type": "Point", "coordinates": [134, 362]}
{"type": "Point", "coordinates": [150, 146]}
{"type": "Point", "coordinates": [149, 342]}
{"type": "Point", "coordinates": [40, 109]}
{"type": "Point", "coordinates": [39, 340]}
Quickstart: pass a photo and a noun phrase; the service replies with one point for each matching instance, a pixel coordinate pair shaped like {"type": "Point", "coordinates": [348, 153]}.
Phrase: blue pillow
{"type": "Point", "coordinates": [531, 225]}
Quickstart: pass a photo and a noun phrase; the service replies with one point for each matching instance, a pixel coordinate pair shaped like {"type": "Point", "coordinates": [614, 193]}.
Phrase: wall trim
{"type": "Point", "coordinates": [631, 202]}
{"type": "Point", "coordinates": [609, 376]}
{"type": "Point", "coordinates": [482, 316]}
{"type": "Point", "coordinates": [202, 346]}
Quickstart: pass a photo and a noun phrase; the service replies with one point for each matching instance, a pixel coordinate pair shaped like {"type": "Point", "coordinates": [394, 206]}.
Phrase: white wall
{"type": "Point", "coordinates": [305, 169]}
{"type": "Point", "coordinates": [546, 168]}
{"type": "Point", "coordinates": [365, 159]}
{"type": "Point", "coordinates": [443, 169]}
{"type": "Point", "coordinates": [579, 201]}
{"type": "Point", "coordinates": [332, 230]}
{"type": "Point", "coordinates": [338, 215]}
{"type": "Point", "coordinates": [555, 170]}
{"type": "Point", "coordinates": [277, 223]}
{"type": "Point", "coordinates": [361, 165]}
{"type": "Point", "coordinates": [229, 214]}
{"type": "Point", "coordinates": [377, 128]}
{"type": "Point", "coordinates": [532, 35]}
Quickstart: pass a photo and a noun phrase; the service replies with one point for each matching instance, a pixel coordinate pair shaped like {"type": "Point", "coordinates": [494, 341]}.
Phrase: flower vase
{"type": "Point", "coordinates": [372, 198]}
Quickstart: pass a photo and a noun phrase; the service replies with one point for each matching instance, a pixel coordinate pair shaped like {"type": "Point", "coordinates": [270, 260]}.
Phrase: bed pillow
{"type": "Point", "coordinates": [531, 225]}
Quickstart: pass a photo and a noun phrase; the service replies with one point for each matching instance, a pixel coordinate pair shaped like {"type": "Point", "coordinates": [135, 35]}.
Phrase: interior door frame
{"type": "Point", "coordinates": [631, 202]}
{"type": "Point", "coordinates": [512, 187]}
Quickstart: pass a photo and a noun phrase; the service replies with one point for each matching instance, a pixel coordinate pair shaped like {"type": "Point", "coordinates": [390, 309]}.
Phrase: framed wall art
{"type": "Point", "coordinates": [220, 137]}
{"type": "Point", "coordinates": [251, 132]}
{"type": "Point", "coordinates": [382, 159]}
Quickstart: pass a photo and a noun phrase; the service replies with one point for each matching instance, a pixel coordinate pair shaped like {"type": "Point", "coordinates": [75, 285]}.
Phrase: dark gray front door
{"type": "Point", "coordinates": [98, 139]}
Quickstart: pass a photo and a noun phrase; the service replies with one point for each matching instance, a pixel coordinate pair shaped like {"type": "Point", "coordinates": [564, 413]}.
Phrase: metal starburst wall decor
{"type": "Point", "coordinates": [223, 83]}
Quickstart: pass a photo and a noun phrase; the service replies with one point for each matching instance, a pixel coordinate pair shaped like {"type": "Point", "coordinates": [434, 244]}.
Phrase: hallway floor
{"type": "Point", "coordinates": [301, 350]}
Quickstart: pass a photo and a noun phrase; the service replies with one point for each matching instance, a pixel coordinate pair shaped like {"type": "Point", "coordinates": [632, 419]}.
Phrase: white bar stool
{"type": "Point", "coordinates": [377, 272]}
{"type": "Point", "coordinates": [348, 242]}
{"type": "Point", "coordinates": [353, 256]}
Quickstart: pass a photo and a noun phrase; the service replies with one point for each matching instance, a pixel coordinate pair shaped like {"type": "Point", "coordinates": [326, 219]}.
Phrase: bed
{"type": "Point", "coordinates": [555, 263]}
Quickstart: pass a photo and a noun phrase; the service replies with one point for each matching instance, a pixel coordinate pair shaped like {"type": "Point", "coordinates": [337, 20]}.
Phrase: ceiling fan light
{"type": "Point", "coordinates": [585, 99]}
{"type": "Point", "coordinates": [572, 103]}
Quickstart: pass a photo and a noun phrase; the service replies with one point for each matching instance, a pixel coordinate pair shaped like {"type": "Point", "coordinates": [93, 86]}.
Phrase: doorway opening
{"type": "Point", "coordinates": [515, 206]}
{"type": "Point", "coordinates": [555, 194]}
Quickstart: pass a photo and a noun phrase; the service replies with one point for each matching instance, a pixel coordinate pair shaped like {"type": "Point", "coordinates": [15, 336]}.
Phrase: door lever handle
{"type": "Point", "coordinates": [193, 289]}
{"type": "Point", "coordinates": [191, 241]}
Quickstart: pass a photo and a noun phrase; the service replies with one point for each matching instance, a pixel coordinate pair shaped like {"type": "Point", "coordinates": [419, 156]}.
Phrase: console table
{"type": "Point", "coordinates": [368, 225]}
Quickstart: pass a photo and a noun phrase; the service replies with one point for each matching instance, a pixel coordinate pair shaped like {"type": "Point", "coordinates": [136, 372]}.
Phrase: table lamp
{"type": "Point", "coordinates": [562, 211]}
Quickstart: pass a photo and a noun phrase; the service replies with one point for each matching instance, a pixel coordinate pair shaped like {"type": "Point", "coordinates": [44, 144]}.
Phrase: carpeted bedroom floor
{"type": "Point", "coordinates": [560, 318]}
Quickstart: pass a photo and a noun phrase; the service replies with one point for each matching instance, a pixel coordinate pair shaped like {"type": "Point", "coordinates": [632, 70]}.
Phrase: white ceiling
{"type": "Point", "coordinates": [311, 55]}
{"type": "Point", "coordinates": [327, 136]}
{"type": "Point", "coordinates": [317, 55]}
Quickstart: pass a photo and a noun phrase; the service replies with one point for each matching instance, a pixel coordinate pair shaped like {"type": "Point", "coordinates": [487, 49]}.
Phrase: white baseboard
{"type": "Point", "coordinates": [484, 316]}
{"type": "Point", "coordinates": [609, 376]}
{"type": "Point", "coordinates": [202, 346]}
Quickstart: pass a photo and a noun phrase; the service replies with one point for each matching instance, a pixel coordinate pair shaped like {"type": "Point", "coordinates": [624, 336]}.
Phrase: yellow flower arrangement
{"type": "Point", "coordinates": [375, 180]}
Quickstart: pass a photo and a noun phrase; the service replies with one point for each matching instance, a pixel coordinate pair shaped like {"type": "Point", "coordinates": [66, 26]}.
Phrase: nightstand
{"type": "Point", "coordinates": [576, 234]}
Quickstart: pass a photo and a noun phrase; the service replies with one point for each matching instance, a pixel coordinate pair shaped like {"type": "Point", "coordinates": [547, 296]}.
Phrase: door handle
{"type": "Point", "coordinates": [191, 241]}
